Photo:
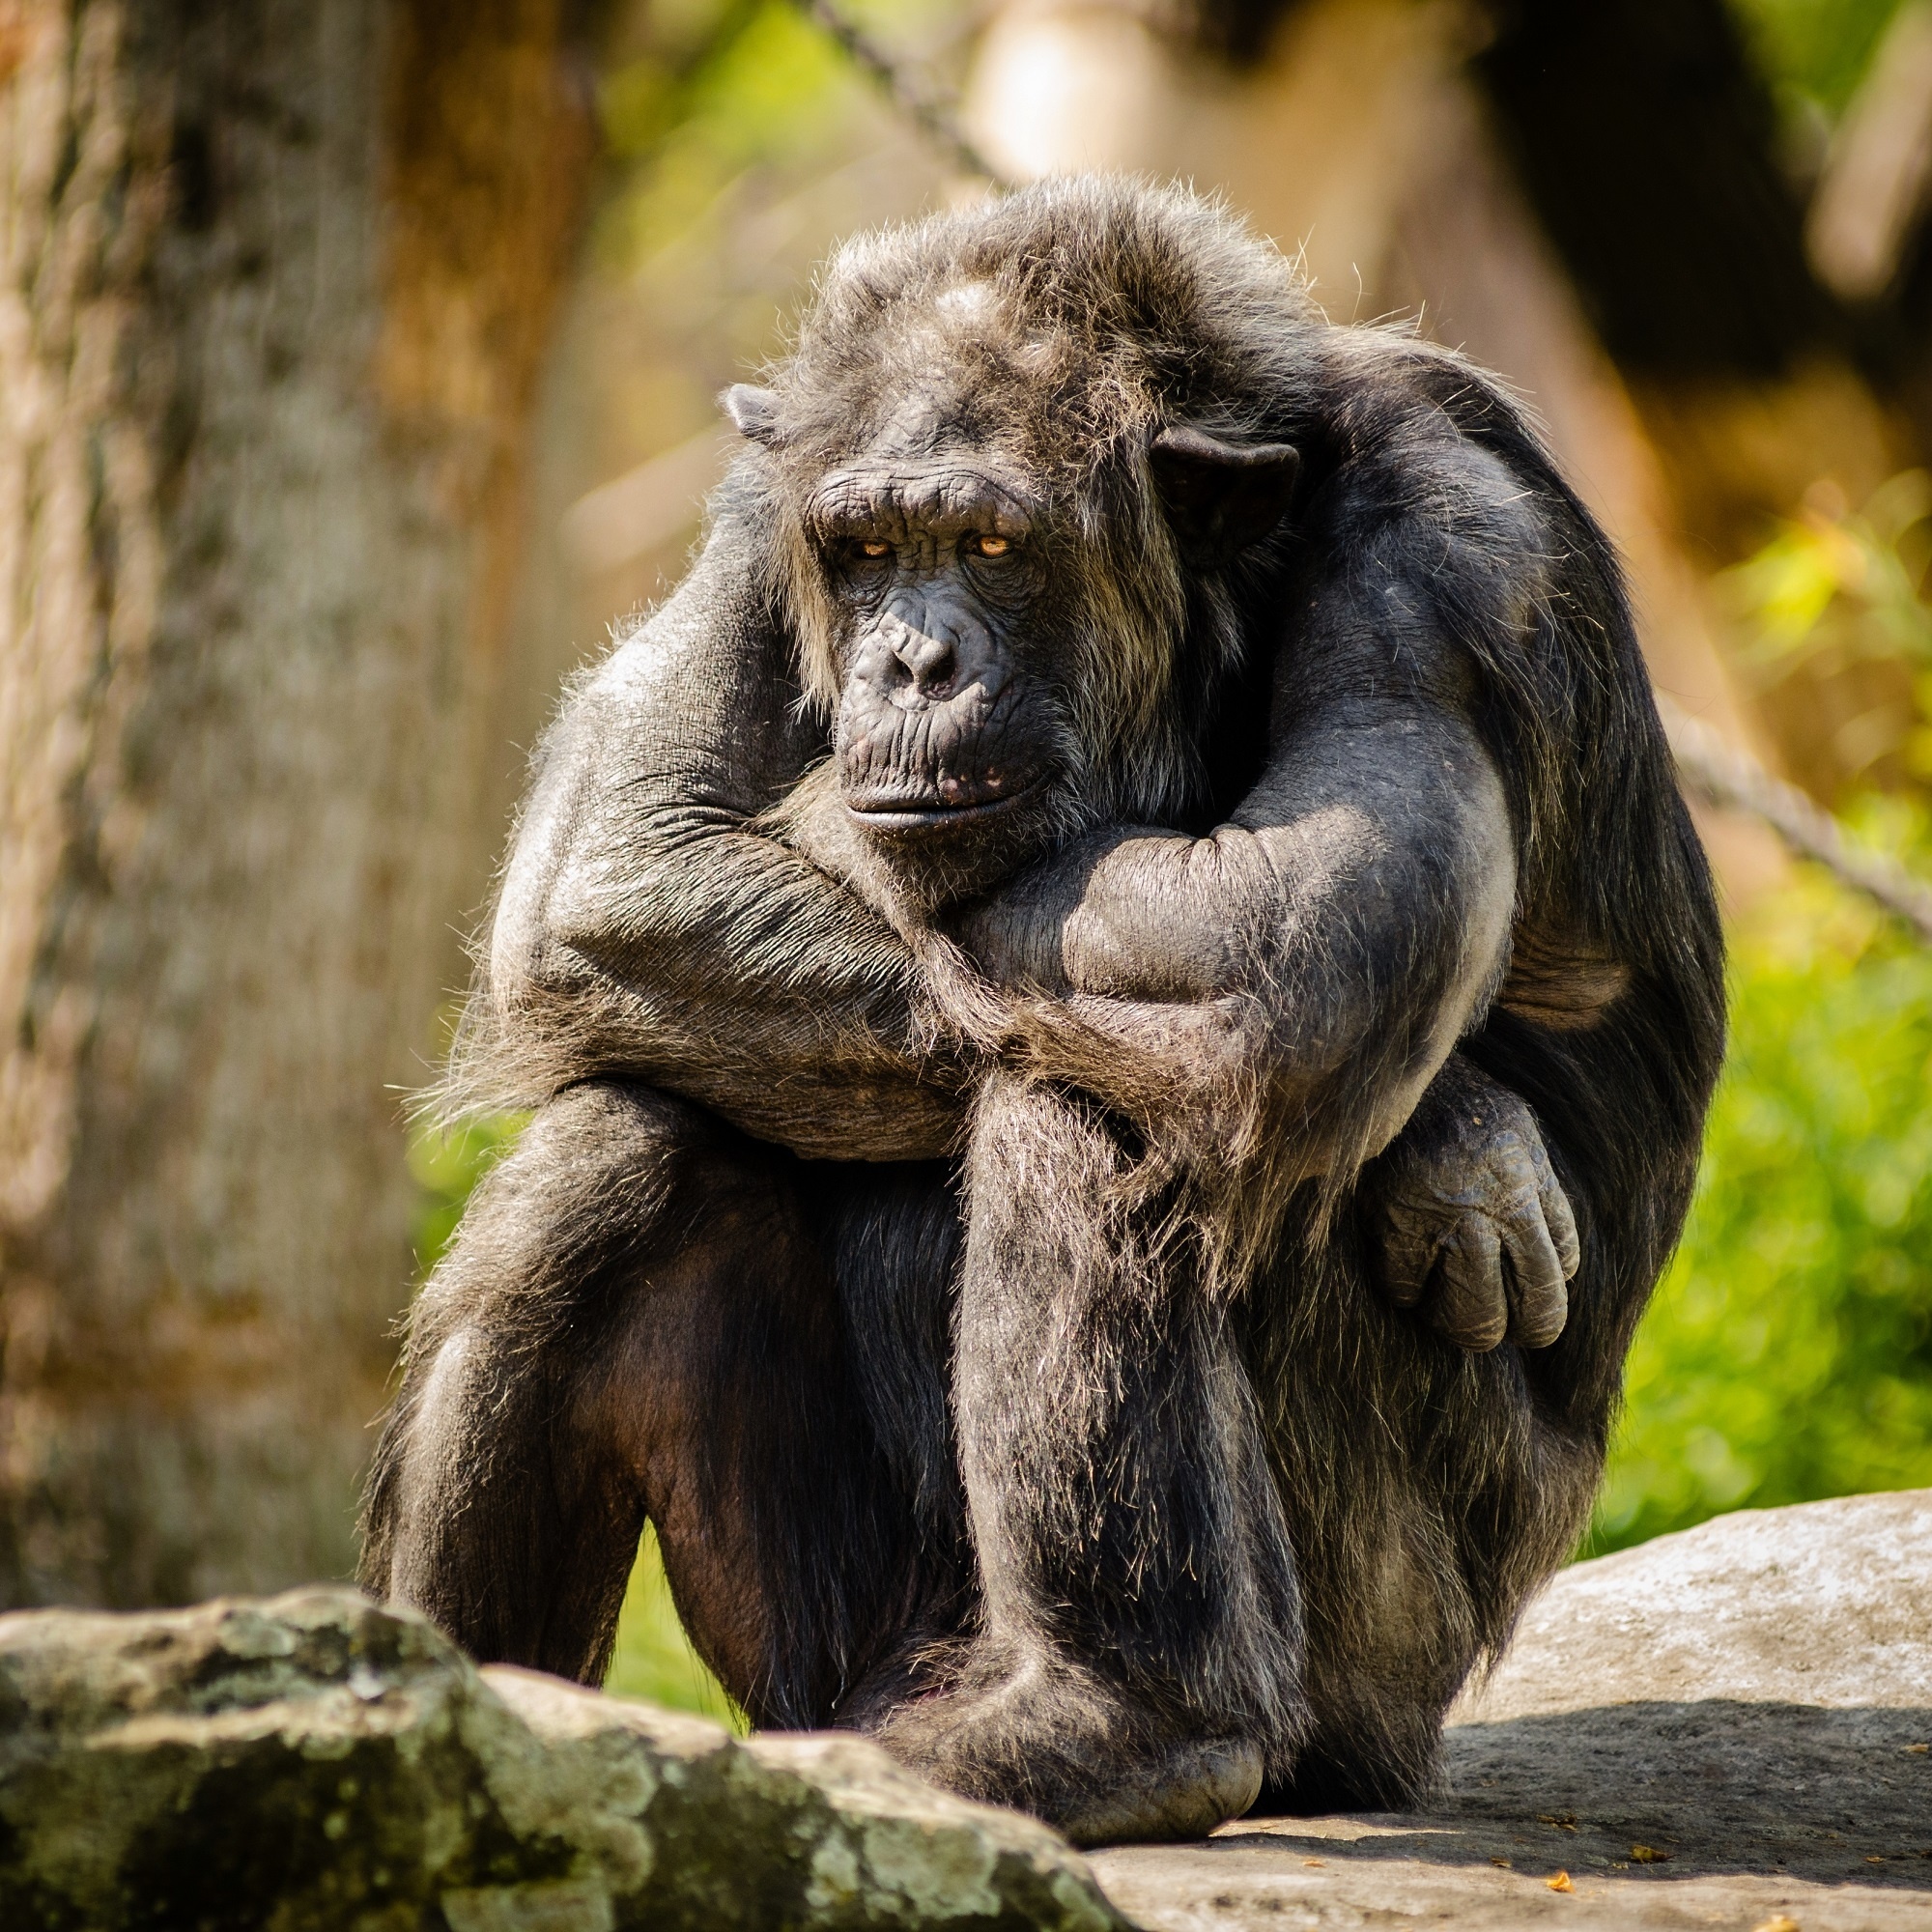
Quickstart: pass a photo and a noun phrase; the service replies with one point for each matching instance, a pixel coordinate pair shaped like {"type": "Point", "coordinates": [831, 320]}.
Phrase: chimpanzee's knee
{"type": "Point", "coordinates": [505, 1500]}
{"type": "Point", "coordinates": [640, 1316]}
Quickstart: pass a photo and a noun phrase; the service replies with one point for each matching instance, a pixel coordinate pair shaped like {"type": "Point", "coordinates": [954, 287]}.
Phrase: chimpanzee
{"type": "Point", "coordinates": [1120, 1004]}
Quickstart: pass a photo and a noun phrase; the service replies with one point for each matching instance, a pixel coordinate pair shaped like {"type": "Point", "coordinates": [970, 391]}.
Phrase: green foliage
{"type": "Point", "coordinates": [729, 90]}
{"type": "Point", "coordinates": [446, 1162]}
{"type": "Point", "coordinates": [1816, 50]}
{"type": "Point", "coordinates": [1834, 588]}
{"type": "Point", "coordinates": [761, 88]}
{"type": "Point", "coordinates": [1788, 1353]}
{"type": "Point", "coordinates": [1866, 570]}
{"type": "Point", "coordinates": [654, 1658]}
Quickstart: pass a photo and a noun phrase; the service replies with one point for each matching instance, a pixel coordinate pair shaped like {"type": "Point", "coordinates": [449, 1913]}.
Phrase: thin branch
{"type": "Point", "coordinates": [1717, 771]}
{"type": "Point", "coordinates": [933, 116]}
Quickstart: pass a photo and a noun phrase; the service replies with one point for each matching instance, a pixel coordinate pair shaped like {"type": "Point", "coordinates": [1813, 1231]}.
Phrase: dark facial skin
{"type": "Point", "coordinates": [946, 735]}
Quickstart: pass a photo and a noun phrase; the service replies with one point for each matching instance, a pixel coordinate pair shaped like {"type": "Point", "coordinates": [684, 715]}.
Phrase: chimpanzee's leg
{"type": "Point", "coordinates": [639, 1317]}
{"type": "Point", "coordinates": [893, 1236]}
{"type": "Point", "coordinates": [1137, 1664]}
{"type": "Point", "coordinates": [1429, 1490]}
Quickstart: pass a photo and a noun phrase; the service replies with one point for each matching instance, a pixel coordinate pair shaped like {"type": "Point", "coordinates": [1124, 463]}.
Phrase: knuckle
{"type": "Point", "coordinates": [1478, 1337]}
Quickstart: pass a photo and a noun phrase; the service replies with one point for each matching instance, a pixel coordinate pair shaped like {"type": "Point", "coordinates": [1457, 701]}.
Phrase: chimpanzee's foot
{"type": "Point", "coordinates": [1182, 1792]}
{"type": "Point", "coordinates": [1076, 1754]}
{"type": "Point", "coordinates": [924, 1664]}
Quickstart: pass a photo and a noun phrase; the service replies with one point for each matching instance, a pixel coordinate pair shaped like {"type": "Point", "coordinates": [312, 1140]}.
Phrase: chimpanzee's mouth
{"type": "Point", "coordinates": [925, 813]}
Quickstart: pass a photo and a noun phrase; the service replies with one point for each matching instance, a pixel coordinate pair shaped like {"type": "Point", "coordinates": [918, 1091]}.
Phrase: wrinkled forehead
{"type": "Point", "coordinates": [943, 429]}
{"type": "Point", "coordinates": [944, 492]}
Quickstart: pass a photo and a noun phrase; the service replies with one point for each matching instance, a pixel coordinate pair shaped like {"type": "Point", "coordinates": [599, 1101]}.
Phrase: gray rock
{"type": "Point", "coordinates": [1721, 1728]}
{"type": "Point", "coordinates": [313, 1761]}
{"type": "Point", "coordinates": [1750, 1702]}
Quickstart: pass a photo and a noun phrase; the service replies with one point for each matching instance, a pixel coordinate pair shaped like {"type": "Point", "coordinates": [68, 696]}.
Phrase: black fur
{"type": "Point", "coordinates": [1102, 1221]}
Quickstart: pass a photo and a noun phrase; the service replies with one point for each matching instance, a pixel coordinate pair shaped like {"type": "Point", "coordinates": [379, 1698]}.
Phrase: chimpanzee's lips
{"type": "Point", "coordinates": [924, 812]}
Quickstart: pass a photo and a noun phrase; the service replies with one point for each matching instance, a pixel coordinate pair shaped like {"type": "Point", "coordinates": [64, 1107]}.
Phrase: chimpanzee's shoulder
{"type": "Point", "coordinates": [1378, 389]}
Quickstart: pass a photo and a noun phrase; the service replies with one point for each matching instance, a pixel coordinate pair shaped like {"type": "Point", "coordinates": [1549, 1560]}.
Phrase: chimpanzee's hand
{"type": "Point", "coordinates": [1469, 1219]}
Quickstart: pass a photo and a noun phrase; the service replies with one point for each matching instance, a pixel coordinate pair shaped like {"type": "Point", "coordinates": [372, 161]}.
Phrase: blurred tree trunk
{"type": "Point", "coordinates": [1646, 138]}
{"type": "Point", "coordinates": [275, 283]}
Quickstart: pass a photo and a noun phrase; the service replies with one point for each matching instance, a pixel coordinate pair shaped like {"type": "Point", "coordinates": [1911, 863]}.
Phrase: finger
{"type": "Point", "coordinates": [1556, 1215]}
{"type": "Point", "coordinates": [1408, 1242]}
{"type": "Point", "coordinates": [1538, 1304]}
{"type": "Point", "coordinates": [1471, 1307]}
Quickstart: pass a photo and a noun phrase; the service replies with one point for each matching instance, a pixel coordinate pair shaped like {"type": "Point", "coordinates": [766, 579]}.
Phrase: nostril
{"type": "Point", "coordinates": [929, 661]}
{"type": "Point", "coordinates": [938, 668]}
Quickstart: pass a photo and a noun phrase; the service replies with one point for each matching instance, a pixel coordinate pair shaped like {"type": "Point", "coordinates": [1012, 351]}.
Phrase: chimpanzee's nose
{"type": "Point", "coordinates": [929, 661]}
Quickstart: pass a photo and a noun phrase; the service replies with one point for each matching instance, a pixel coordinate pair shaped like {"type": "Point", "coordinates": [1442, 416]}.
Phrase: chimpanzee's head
{"type": "Point", "coordinates": [1010, 522]}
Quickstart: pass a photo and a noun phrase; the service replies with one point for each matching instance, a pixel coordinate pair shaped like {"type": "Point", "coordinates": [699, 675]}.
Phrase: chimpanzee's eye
{"type": "Point", "coordinates": [987, 545]}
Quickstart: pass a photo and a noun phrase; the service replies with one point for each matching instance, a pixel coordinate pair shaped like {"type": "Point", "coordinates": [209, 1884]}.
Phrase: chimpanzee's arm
{"type": "Point", "coordinates": [1356, 910]}
{"type": "Point", "coordinates": [1326, 947]}
{"type": "Point", "coordinates": [1346, 939]}
{"type": "Point", "coordinates": [644, 931]}
{"type": "Point", "coordinates": [1346, 925]}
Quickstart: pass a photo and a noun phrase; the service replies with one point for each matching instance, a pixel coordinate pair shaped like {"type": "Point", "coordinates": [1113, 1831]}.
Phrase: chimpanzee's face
{"type": "Point", "coordinates": [991, 652]}
{"type": "Point", "coordinates": [947, 728]}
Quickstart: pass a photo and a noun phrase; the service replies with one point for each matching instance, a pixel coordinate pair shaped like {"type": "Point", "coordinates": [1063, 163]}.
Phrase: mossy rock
{"type": "Point", "coordinates": [317, 1761]}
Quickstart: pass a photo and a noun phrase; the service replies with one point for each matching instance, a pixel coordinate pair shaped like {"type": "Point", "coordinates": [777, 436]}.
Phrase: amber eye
{"type": "Point", "coordinates": [871, 549]}
{"type": "Point", "coordinates": [989, 545]}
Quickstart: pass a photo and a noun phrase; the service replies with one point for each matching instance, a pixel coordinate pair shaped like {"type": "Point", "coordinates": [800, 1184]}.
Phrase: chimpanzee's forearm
{"type": "Point", "coordinates": [645, 930]}
{"type": "Point", "coordinates": [1333, 941]}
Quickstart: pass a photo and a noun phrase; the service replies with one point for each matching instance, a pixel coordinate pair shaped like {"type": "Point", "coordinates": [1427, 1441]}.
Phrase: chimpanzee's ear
{"type": "Point", "coordinates": [1221, 496]}
{"type": "Point", "coordinates": [753, 412]}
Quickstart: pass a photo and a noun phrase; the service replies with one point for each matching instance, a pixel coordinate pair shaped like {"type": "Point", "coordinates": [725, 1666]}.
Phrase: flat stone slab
{"type": "Point", "coordinates": [1728, 1727]}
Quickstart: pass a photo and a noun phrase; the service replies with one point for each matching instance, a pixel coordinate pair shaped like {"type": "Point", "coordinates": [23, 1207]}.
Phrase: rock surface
{"type": "Point", "coordinates": [1730, 1727]}
{"type": "Point", "coordinates": [314, 1763]}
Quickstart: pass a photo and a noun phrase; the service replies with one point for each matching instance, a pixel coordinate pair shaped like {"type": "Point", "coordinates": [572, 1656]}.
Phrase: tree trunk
{"type": "Point", "coordinates": [275, 282]}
